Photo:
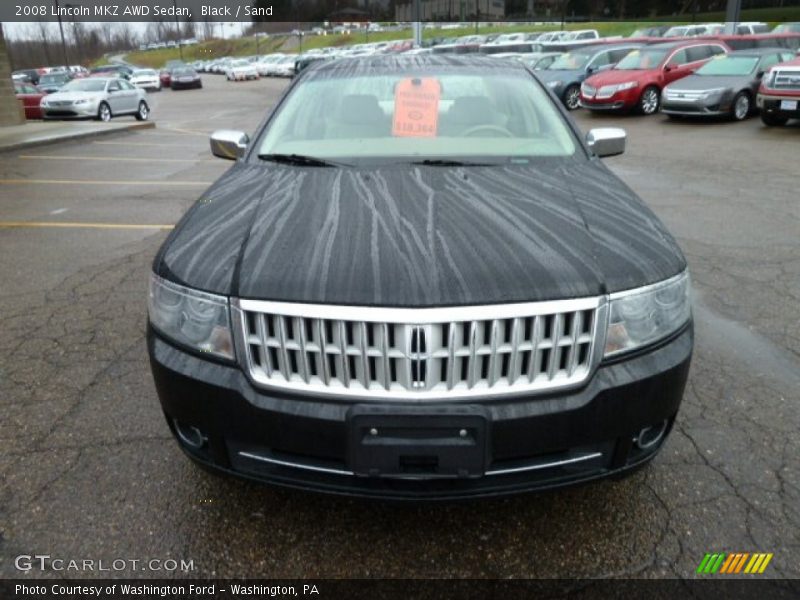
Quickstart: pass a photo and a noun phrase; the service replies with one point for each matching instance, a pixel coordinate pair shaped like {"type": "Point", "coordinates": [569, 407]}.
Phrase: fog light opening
{"type": "Point", "coordinates": [650, 436]}
{"type": "Point", "coordinates": [190, 435]}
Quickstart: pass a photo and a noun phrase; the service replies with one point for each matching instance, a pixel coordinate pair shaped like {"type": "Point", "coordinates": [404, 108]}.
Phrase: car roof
{"type": "Point", "coordinates": [593, 48]}
{"type": "Point", "coordinates": [758, 51]}
{"type": "Point", "coordinates": [400, 63]}
{"type": "Point", "coordinates": [681, 43]}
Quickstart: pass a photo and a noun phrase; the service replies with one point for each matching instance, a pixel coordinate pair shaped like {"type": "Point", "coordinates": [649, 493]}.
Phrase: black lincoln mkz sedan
{"type": "Point", "coordinates": [418, 280]}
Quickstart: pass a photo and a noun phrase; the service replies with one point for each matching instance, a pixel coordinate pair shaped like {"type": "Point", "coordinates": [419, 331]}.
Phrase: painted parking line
{"type": "Point", "coordinates": [100, 182]}
{"type": "Point", "coordinates": [67, 225]}
{"type": "Point", "coordinates": [116, 158]}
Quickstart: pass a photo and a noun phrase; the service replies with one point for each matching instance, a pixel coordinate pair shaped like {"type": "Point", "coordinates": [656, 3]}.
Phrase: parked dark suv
{"type": "Point", "coordinates": [418, 280]}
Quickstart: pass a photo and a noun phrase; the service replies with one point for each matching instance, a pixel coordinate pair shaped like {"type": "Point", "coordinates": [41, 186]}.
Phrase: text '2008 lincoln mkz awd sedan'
{"type": "Point", "coordinates": [417, 281]}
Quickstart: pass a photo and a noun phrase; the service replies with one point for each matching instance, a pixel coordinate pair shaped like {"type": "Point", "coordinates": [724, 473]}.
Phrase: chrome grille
{"type": "Point", "coordinates": [419, 354]}
{"type": "Point", "coordinates": [684, 95]}
{"type": "Point", "coordinates": [786, 80]}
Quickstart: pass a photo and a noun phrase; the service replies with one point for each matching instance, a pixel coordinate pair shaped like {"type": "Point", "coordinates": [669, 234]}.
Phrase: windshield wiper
{"type": "Point", "coordinates": [301, 160]}
{"type": "Point", "coordinates": [446, 162]}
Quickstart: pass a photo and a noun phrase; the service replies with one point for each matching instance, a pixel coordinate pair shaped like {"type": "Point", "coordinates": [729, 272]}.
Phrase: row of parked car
{"type": "Point", "coordinates": [679, 78]}
{"type": "Point", "coordinates": [102, 92]}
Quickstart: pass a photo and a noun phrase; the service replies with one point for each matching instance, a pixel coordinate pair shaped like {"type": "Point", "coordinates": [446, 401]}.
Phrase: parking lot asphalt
{"type": "Point", "coordinates": [88, 469]}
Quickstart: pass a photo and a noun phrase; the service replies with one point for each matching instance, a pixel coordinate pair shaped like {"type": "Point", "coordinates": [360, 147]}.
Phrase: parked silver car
{"type": "Point", "coordinates": [96, 98]}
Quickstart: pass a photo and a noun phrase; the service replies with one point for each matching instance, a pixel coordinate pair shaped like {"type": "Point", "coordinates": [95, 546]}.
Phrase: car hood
{"type": "Point", "coordinates": [422, 236]}
{"type": "Point", "coordinates": [711, 82]}
{"type": "Point", "coordinates": [613, 76]}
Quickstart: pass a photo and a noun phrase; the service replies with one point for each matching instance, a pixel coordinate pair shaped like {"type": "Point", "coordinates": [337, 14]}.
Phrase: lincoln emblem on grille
{"type": "Point", "coordinates": [418, 355]}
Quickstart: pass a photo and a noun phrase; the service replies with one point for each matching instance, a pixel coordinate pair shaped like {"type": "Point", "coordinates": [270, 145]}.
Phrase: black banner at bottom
{"type": "Point", "coordinates": [376, 589]}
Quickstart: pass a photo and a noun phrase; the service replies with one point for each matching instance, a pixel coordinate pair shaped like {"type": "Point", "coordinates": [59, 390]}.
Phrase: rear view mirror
{"type": "Point", "coordinates": [229, 144]}
{"type": "Point", "coordinates": [606, 141]}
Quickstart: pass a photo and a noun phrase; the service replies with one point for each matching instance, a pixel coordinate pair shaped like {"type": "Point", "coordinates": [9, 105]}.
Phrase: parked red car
{"type": "Point", "coordinates": [779, 94]}
{"type": "Point", "coordinates": [637, 80]}
{"type": "Point", "coordinates": [166, 78]}
{"type": "Point", "coordinates": [31, 98]}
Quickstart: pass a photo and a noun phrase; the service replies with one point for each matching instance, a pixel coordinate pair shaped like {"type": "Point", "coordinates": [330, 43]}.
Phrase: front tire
{"type": "Point", "coordinates": [144, 111]}
{"type": "Point", "coordinates": [773, 120]}
{"type": "Point", "coordinates": [104, 112]}
{"type": "Point", "coordinates": [572, 97]}
{"type": "Point", "coordinates": [742, 105]}
{"type": "Point", "coordinates": [650, 100]}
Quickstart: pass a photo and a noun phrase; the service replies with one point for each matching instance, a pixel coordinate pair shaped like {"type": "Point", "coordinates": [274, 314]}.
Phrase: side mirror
{"type": "Point", "coordinates": [606, 141]}
{"type": "Point", "coordinates": [229, 144]}
{"type": "Point", "coordinates": [760, 74]}
{"type": "Point", "coordinates": [669, 67]}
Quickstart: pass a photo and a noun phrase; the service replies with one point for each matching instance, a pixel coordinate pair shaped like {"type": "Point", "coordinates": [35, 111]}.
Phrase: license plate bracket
{"type": "Point", "coordinates": [418, 443]}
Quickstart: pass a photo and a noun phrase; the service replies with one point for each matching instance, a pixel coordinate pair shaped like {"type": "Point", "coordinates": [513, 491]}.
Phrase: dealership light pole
{"type": "Point", "coordinates": [178, 27]}
{"type": "Point", "coordinates": [61, 29]}
{"type": "Point", "coordinates": [417, 25]}
{"type": "Point", "coordinates": [77, 39]}
{"type": "Point", "coordinates": [732, 15]}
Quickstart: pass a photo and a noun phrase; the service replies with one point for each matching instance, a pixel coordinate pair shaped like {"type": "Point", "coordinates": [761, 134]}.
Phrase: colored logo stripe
{"type": "Point", "coordinates": [734, 562]}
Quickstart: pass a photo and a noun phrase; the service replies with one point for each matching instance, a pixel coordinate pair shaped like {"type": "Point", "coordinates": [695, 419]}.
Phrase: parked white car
{"type": "Point", "coordinates": [285, 66]}
{"type": "Point", "coordinates": [240, 70]}
{"type": "Point", "coordinates": [265, 64]}
{"type": "Point", "coordinates": [96, 98]}
{"type": "Point", "coordinates": [147, 79]}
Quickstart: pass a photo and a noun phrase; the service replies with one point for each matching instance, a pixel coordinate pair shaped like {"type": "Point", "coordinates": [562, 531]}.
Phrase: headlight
{"type": "Point", "coordinates": [83, 101]}
{"type": "Point", "coordinates": [627, 86]}
{"type": "Point", "coordinates": [553, 84]}
{"type": "Point", "coordinates": [714, 92]}
{"type": "Point", "coordinates": [191, 317]}
{"type": "Point", "coordinates": [43, 102]}
{"type": "Point", "coordinates": [642, 316]}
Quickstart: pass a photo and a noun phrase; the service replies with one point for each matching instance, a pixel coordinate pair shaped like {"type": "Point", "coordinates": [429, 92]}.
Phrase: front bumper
{"type": "Point", "coordinates": [776, 105]}
{"type": "Point", "coordinates": [714, 106]}
{"type": "Point", "coordinates": [80, 111]}
{"type": "Point", "coordinates": [624, 100]}
{"type": "Point", "coordinates": [534, 443]}
{"type": "Point", "coordinates": [183, 85]}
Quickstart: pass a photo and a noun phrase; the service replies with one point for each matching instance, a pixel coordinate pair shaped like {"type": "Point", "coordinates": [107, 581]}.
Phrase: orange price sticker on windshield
{"type": "Point", "coordinates": [416, 107]}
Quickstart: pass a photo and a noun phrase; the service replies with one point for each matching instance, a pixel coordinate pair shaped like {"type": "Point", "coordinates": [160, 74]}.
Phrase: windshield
{"type": "Point", "coordinates": [184, 73]}
{"type": "Point", "coordinates": [52, 78]}
{"type": "Point", "coordinates": [144, 73]}
{"type": "Point", "coordinates": [240, 63]}
{"type": "Point", "coordinates": [85, 85]}
{"type": "Point", "coordinates": [447, 114]}
{"type": "Point", "coordinates": [570, 61]}
{"type": "Point", "coordinates": [729, 65]}
{"type": "Point", "coordinates": [641, 59]}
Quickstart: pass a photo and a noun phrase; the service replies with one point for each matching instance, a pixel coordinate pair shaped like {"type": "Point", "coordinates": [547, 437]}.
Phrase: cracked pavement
{"type": "Point", "coordinates": [88, 468]}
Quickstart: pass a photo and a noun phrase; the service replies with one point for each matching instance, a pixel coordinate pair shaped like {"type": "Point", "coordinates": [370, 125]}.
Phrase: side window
{"type": "Point", "coordinates": [618, 55]}
{"type": "Point", "coordinates": [716, 50]}
{"type": "Point", "coordinates": [679, 58]}
{"type": "Point", "coordinates": [768, 61]}
{"type": "Point", "coordinates": [697, 53]}
{"type": "Point", "coordinates": [113, 86]}
{"type": "Point", "coordinates": [601, 60]}
{"type": "Point", "coordinates": [125, 85]}
{"type": "Point", "coordinates": [743, 29]}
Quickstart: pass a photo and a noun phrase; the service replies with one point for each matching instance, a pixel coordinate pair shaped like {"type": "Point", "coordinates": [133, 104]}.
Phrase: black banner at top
{"type": "Point", "coordinates": [355, 11]}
